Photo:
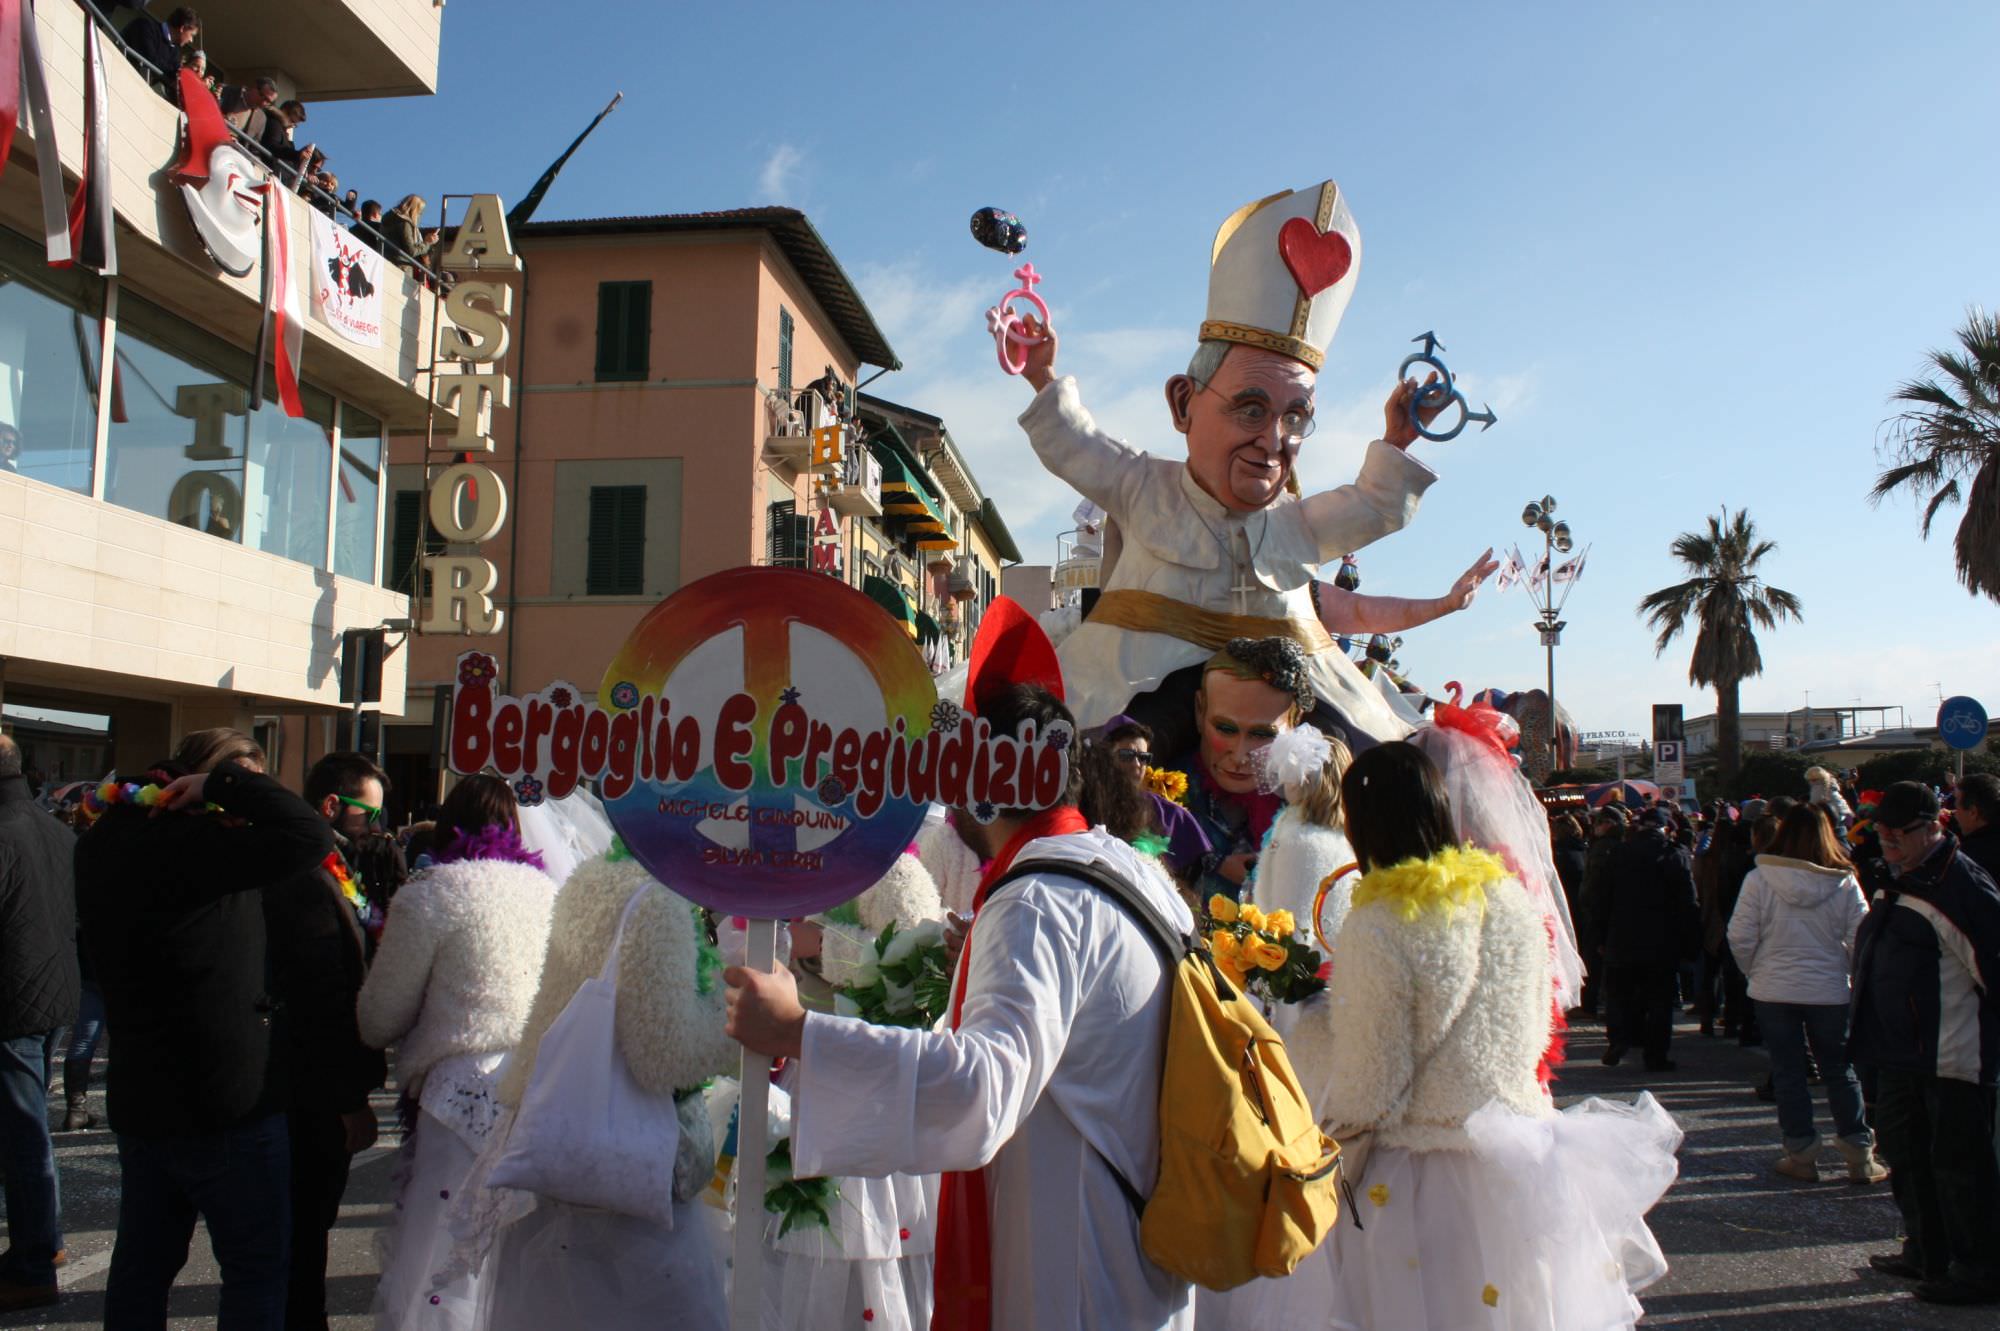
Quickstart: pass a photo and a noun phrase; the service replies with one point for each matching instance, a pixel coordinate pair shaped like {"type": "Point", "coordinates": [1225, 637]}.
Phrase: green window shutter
{"type": "Point", "coordinates": [616, 563]}
{"type": "Point", "coordinates": [406, 528]}
{"type": "Point", "coordinates": [624, 331]}
{"type": "Point", "coordinates": [784, 351]}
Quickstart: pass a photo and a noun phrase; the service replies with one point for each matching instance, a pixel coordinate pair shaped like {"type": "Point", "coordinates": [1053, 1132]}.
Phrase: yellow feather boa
{"type": "Point", "coordinates": [1450, 879]}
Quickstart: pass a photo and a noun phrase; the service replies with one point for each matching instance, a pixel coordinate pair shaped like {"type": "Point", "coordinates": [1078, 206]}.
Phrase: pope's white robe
{"type": "Point", "coordinates": [1051, 1080]}
{"type": "Point", "coordinates": [1180, 542]}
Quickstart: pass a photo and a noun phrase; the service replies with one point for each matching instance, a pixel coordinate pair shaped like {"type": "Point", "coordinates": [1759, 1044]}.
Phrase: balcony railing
{"type": "Point", "coordinates": [288, 173]}
{"type": "Point", "coordinates": [860, 492]}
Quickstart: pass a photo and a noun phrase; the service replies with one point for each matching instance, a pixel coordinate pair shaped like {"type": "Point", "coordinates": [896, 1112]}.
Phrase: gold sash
{"type": "Point", "coordinates": [1150, 612]}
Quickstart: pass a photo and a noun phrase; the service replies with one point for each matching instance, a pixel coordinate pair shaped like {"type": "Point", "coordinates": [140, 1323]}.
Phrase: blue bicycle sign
{"type": "Point", "coordinates": [1961, 722]}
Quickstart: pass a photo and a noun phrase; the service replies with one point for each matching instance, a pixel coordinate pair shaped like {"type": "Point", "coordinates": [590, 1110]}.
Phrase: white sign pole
{"type": "Point", "coordinates": [746, 1286]}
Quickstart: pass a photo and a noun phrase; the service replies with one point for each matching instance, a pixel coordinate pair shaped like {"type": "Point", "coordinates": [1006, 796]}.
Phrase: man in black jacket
{"type": "Point", "coordinates": [160, 44]}
{"type": "Point", "coordinates": [172, 899]}
{"type": "Point", "coordinates": [38, 994]}
{"type": "Point", "coordinates": [1649, 925]}
{"type": "Point", "coordinates": [1978, 818]}
{"type": "Point", "coordinates": [1927, 1021]}
{"type": "Point", "coordinates": [318, 960]}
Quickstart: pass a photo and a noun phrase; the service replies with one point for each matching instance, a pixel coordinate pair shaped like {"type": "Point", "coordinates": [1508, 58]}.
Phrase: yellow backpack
{"type": "Point", "coordinates": [1247, 1182]}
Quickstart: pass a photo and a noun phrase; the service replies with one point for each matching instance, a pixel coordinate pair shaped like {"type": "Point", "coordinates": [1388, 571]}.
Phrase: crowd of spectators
{"type": "Point", "coordinates": [1851, 934]}
{"type": "Point", "coordinates": [270, 128]}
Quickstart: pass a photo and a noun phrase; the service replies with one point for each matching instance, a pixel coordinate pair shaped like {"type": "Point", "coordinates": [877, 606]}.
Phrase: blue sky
{"type": "Point", "coordinates": [1685, 251]}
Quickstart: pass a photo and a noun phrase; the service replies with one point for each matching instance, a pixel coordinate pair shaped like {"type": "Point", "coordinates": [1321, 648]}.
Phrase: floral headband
{"type": "Point", "coordinates": [1279, 662]}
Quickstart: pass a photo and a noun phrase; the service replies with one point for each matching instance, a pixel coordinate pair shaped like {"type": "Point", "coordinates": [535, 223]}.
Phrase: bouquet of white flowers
{"type": "Point", "coordinates": [906, 983]}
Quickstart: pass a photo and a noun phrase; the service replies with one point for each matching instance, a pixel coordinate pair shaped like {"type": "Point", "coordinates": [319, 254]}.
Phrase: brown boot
{"type": "Point", "coordinates": [76, 1095]}
{"type": "Point", "coordinates": [1862, 1166]}
{"type": "Point", "coordinates": [1801, 1165]}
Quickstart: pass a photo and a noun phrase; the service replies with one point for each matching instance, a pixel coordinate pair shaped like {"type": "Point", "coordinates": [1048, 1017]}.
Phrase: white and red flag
{"type": "Point", "coordinates": [283, 327]}
{"type": "Point", "coordinates": [92, 242]}
{"type": "Point", "coordinates": [22, 77]}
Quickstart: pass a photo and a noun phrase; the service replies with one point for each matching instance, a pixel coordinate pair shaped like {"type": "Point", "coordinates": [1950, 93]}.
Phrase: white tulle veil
{"type": "Point", "coordinates": [1496, 809]}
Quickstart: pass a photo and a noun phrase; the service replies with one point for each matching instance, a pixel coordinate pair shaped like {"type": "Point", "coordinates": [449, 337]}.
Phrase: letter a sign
{"type": "Point", "coordinates": [826, 550]}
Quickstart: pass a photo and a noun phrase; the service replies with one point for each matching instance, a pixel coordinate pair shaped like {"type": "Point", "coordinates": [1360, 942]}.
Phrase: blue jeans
{"type": "Point", "coordinates": [1787, 1028]}
{"type": "Point", "coordinates": [238, 1181]}
{"type": "Point", "coordinates": [88, 1028]}
{"type": "Point", "coordinates": [28, 1161]}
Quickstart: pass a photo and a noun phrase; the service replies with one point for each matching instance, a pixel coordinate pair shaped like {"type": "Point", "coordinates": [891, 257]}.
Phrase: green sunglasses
{"type": "Point", "coordinates": [373, 811]}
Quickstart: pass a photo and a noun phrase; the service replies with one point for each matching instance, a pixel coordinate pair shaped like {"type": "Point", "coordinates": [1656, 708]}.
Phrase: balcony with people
{"type": "Point", "coordinates": [194, 249]}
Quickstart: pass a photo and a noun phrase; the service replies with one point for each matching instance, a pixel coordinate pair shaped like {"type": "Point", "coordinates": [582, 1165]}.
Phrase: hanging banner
{"type": "Point", "coordinates": [767, 742]}
{"type": "Point", "coordinates": [347, 282]}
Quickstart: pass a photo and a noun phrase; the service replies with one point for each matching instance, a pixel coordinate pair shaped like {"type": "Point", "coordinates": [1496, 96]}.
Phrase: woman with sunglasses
{"type": "Point", "coordinates": [451, 987]}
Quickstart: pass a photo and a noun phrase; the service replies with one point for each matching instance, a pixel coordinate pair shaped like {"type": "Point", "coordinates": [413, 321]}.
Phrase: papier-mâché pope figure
{"type": "Point", "coordinates": [1222, 545]}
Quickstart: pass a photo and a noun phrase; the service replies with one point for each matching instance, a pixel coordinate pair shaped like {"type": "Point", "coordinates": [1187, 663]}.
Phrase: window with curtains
{"type": "Point", "coordinates": [784, 351]}
{"type": "Point", "coordinates": [616, 562]}
{"type": "Point", "coordinates": [624, 331]}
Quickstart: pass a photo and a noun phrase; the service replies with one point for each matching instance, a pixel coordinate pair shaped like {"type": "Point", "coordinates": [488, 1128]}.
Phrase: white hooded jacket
{"type": "Point", "coordinates": [1793, 930]}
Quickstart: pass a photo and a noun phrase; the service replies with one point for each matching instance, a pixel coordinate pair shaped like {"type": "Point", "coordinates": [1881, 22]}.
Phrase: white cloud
{"type": "Point", "coordinates": [778, 177]}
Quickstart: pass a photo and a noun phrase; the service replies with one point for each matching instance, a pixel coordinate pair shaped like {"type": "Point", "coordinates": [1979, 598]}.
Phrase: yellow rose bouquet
{"type": "Point", "coordinates": [1166, 784]}
{"type": "Point", "coordinates": [1262, 953]}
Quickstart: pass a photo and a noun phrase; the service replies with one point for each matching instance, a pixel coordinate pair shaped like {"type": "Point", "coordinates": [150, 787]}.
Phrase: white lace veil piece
{"type": "Point", "coordinates": [567, 832]}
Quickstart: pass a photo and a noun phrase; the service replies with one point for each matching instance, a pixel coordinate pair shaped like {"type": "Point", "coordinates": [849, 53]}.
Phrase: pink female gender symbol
{"type": "Point", "coordinates": [1010, 340]}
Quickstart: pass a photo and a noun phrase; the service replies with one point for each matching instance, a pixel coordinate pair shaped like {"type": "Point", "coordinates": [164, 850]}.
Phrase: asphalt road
{"type": "Point", "coordinates": [1750, 1251]}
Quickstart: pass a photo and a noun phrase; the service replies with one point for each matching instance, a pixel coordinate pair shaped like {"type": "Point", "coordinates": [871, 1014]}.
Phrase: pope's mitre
{"type": "Point", "coordinates": [1282, 271]}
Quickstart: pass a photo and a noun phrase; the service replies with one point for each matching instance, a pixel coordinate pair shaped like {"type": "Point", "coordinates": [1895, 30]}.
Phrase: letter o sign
{"type": "Point", "coordinates": [489, 503]}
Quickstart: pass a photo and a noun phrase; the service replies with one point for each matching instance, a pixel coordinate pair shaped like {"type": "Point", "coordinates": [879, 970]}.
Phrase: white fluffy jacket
{"type": "Point", "coordinates": [1296, 859]}
{"type": "Point", "coordinates": [953, 868]}
{"type": "Point", "coordinates": [1793, 930]}
{"type": "Point", "coordinates": [1398, 1064]}
{"type": "Point", "coordinates": [669, 1034]}
{"type": "Point", "coordinates": [461, 954]}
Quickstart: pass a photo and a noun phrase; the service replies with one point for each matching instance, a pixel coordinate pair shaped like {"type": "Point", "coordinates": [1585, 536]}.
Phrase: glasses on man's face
{"type": "Point", "coordinates": [373, 811]}
{"type": "Point", "coordinates": [1255, 415]}
{"type": "Point", "coordinates": [1131, 757]}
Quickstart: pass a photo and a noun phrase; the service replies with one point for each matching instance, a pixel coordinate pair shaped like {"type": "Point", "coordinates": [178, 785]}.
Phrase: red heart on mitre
{"type": "Point", "coordinates": [1317, 259]}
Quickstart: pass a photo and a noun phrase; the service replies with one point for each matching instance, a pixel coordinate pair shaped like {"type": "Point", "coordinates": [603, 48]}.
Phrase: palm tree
{"type": "Point", "coordinates": [1950, 432]}
{"type": "Point", "coordinates": [1727, 598]}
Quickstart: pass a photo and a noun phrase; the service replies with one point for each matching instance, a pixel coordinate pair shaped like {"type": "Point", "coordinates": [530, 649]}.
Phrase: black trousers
{"type": "Point", "coordinates": [1639, 1006]}
{"type": "Point", "coordinates": [1937, 1135]}
{"type": "Point", "coordinates": [319, 1177]}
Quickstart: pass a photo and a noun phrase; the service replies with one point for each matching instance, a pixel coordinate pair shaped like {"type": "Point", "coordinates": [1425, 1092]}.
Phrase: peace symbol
{"type": "Point", "coordinates": [774, 851]}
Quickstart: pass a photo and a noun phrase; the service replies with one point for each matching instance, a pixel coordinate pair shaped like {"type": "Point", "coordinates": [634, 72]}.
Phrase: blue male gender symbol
{"type": "Point", "coordinates": [1438, 396]}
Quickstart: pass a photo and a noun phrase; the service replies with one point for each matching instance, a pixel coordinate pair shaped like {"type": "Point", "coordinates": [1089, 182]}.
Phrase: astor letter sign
{"type": "Point", "coordinates": [467, 501]}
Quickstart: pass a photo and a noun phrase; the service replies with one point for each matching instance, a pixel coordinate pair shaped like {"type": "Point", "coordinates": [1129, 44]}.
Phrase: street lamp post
{"type": "Point", "coordinates": [1556, 539]}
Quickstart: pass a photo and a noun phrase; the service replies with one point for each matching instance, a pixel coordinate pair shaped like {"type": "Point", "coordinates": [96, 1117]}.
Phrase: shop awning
{"type": "Point", "coordinates": [904, 497]}
{"type": "Point", "coordinates": [928, 631]}
{"type": "Point", "coordinates": [892, 599]}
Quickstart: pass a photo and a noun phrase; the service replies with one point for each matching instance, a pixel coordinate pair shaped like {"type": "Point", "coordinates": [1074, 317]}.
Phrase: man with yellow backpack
{"type": "Point", "coordinates": [1122, 1121]}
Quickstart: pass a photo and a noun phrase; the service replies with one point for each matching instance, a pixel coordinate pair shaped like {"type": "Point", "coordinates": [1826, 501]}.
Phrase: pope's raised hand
{"type": "Point", "coordinates": [1468, 584]}
{"type": "Point", "coordinates": [1397, 429]}
{"type": "Point", "coordinates": [1041, 369]}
